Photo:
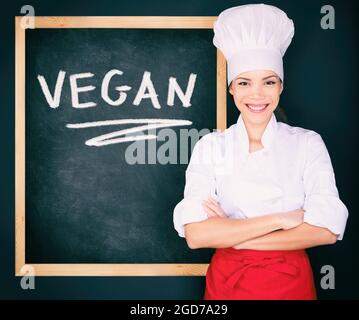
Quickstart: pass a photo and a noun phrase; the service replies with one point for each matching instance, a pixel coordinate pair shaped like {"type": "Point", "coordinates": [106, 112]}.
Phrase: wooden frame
{"type": "Point", "coordinates": [96, 22]}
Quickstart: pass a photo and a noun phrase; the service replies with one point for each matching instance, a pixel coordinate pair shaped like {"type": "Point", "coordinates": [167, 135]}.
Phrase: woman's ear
{"type": "Point", "coordinates": [230, 89]}
{"type": "Point", "coordinates": [282, 88]}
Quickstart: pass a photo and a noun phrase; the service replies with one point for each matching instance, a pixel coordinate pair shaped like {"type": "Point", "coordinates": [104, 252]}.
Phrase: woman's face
{"type": "Point", "coordinates": [256, 95]}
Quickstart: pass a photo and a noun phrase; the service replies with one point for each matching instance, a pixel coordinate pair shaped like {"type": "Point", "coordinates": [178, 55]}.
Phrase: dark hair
{"type": "Point", "coordinates": [280, 114]}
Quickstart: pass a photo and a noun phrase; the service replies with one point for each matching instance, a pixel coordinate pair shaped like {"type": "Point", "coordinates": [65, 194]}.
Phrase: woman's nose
{"type": "Point", "coordinates": [257, 91]}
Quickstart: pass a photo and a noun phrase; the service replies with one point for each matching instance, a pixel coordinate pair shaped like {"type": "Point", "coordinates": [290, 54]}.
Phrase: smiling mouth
{"type": "Point", "coordinates": [257, 108]}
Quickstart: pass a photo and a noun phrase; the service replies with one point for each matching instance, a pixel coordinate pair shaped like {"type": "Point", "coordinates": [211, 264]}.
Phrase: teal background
{"type": "Point", "coordinates": [321, 71]}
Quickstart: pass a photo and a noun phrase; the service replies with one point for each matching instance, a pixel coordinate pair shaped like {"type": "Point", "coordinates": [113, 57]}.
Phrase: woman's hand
{"type": "Point", "coordinates": [291, 219]}
{"type": "Point", "coordinates": [213, 209]}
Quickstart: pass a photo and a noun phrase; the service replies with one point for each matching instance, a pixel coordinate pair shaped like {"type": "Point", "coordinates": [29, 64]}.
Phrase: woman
{"type": "Point", "coordinates": [260, 192]}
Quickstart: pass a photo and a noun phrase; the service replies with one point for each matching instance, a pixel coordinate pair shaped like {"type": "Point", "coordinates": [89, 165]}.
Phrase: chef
{"type": "Point", "coordinates": [261, 191]}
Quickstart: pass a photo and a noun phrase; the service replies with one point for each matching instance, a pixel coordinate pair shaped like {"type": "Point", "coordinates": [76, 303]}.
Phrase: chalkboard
{"type": "Point", "coordinates": [84, 202]}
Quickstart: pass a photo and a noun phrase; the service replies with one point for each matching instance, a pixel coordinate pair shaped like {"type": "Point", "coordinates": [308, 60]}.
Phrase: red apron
{"type": "Point", "coordinates": [259, 275]}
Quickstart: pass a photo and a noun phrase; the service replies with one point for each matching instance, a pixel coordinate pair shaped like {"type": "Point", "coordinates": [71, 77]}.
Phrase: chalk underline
{"type": "Point", "coordinates": [113, 137]}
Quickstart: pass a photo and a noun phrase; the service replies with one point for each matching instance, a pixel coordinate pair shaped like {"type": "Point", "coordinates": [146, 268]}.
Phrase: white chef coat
{"type": "Point", "coordinates": [292, 171]}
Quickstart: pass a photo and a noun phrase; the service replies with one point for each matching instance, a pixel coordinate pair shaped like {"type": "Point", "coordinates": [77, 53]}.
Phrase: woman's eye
{"type": "Point", "coordinates": [270, 83]}
{"type": "Point", "coordinates": [242, 83]}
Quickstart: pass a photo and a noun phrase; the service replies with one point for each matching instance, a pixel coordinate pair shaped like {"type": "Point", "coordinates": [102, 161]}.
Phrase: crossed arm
{"type": "Point", "coordinates": [278, 231]}
{"type": "Point", "coordinates": [301, 237]}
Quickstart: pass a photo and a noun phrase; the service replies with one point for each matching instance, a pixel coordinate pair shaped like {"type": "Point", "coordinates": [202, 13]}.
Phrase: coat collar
{"type": "Point", "coordinates": [268, 136]}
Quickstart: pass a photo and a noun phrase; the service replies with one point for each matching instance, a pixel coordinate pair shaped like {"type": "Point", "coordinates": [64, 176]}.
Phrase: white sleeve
{"type": "Point", "coordinates": [323, 207]}
{"type": "Point", "coordinates": [200, 184]}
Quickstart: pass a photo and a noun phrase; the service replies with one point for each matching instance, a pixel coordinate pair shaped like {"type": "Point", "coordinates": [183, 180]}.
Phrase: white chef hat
{"type": "Point", "coordinates": [253, 37]}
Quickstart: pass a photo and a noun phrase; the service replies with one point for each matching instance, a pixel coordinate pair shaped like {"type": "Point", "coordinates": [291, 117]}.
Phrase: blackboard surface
{"type": "Point", "coordinates": [85, 204]}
